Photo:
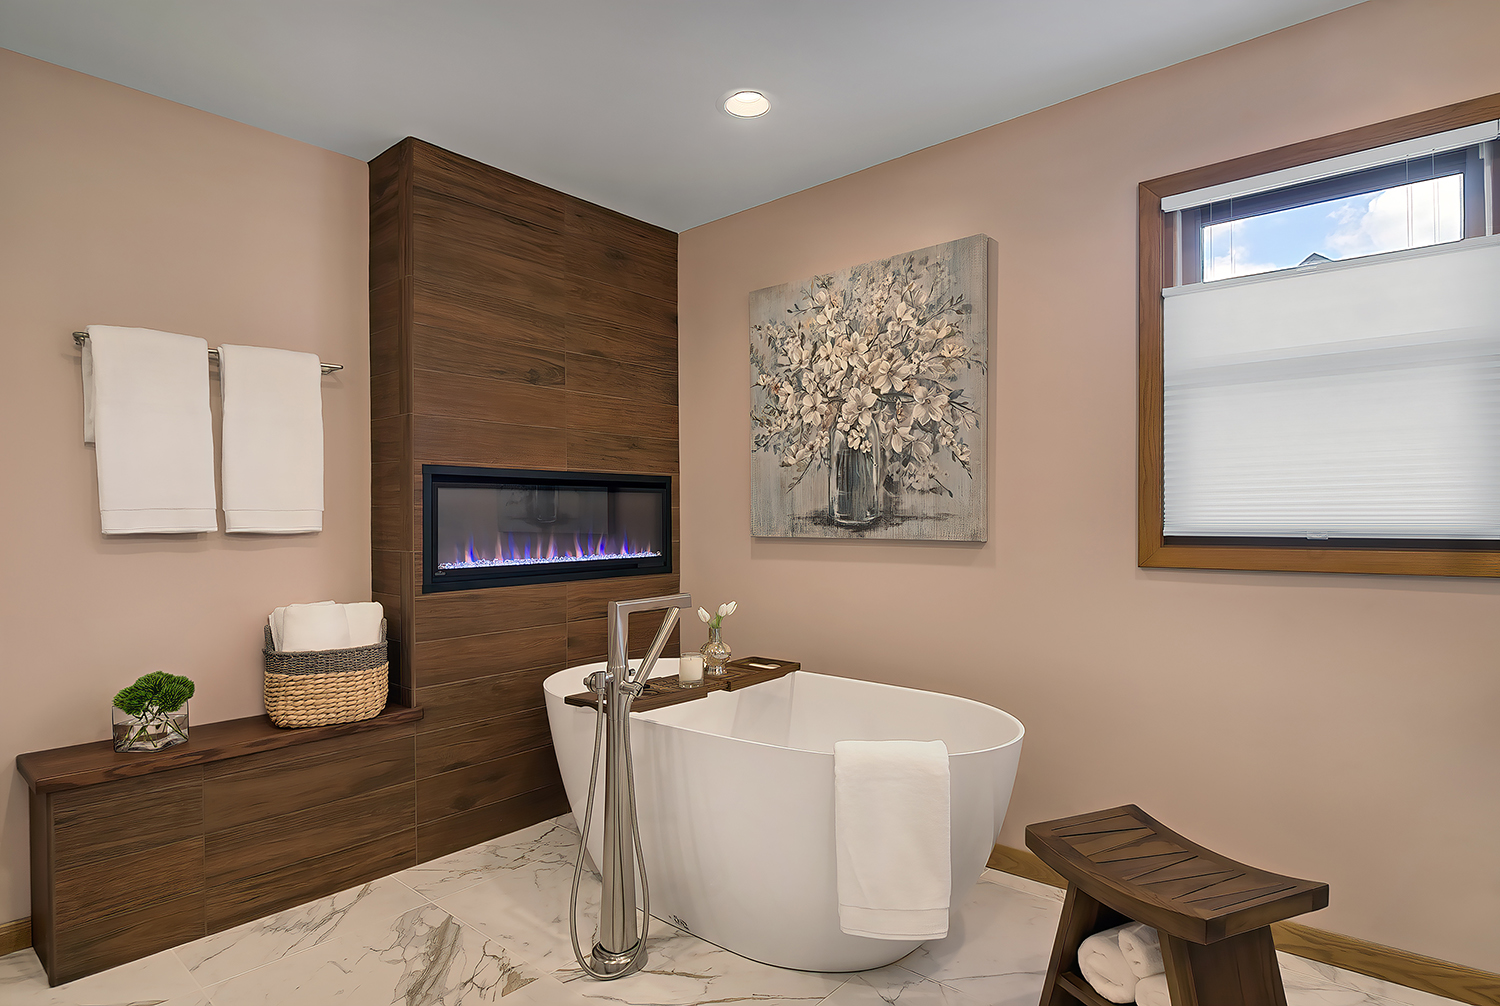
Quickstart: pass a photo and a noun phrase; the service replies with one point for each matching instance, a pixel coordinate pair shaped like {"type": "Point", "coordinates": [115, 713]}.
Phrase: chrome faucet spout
{"type": "Point", "coordinates": [668, 623]}
{"type": "Point", "coordinates": [619, 630]}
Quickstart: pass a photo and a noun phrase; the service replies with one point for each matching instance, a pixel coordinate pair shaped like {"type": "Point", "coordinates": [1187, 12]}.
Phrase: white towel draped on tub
{"type": "Point", "coordinates": [273, 440]}
{"type": "Point", "coordinates": [145, 410]}
{"type": "Point", "coordinates": [892, 824]}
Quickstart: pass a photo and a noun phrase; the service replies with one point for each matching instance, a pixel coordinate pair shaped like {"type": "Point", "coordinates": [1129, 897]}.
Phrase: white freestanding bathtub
{"type": "Point", "coordinates": [735, 797]}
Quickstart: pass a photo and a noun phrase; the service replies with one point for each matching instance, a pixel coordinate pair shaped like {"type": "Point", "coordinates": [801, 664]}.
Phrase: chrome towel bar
{"type": "Point", "coordinates": [79, 338]}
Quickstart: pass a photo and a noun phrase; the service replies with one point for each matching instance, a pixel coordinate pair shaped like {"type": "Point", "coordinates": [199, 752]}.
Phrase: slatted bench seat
{"type": "Point", "coordinates": [1213, 914]}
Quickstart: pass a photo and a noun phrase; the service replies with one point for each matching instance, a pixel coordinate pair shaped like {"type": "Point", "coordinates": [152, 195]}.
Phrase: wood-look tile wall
{"type": "Point", "coordinates": [512, 326]}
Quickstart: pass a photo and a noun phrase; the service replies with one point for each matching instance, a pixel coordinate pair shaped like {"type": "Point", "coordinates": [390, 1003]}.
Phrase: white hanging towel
{"type": "Point", "coordinates": [273, 440]}
{"type": "Point", "coordinates": [892, 825]}
{"type": "Point", "coordinates": [145, 410]}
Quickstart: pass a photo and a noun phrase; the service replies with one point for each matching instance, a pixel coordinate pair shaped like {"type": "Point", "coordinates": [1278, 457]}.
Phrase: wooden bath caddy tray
{"type": "Point", "coordinates": [740, 673]}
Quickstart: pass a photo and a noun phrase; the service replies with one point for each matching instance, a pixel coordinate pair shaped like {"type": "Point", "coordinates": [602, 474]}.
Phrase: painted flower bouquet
{"type": "Point", "coordinates": [871, 365]}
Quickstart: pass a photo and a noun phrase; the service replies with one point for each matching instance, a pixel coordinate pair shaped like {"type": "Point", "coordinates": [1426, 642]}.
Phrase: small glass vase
{"type": "Point", "coordinates": [715, 654]}
{"type": "Point", "coordinates": [150, 731]}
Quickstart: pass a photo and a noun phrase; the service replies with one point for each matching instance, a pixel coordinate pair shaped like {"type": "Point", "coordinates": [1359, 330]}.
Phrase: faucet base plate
{"type": "Point", "coordinates": [608, 962]}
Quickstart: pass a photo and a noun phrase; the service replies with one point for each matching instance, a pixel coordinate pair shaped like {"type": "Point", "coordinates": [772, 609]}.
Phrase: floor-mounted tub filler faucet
{"type": "Point", "coordinates": [620, 950]}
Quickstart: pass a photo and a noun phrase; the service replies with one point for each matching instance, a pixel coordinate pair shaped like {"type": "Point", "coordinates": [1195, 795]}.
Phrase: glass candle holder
{"type": "Point", "coordinates": [690, 670]}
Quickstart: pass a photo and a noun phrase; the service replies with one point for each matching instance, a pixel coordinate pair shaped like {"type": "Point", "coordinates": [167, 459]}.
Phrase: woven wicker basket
{"type": "Point", "coordinates": [326, 686]}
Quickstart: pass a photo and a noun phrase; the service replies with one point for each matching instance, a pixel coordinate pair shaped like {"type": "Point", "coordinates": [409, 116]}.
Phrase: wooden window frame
{"type": "Point", "coordinates": [1155, 268]}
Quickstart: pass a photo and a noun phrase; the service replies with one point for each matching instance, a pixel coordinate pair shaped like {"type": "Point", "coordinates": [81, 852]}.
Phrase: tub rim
{"type": "Point", "coordinates": [1020, 727]}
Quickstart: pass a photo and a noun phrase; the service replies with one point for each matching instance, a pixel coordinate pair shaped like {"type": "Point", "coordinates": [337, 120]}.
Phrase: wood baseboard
{"type": "Point", "coordinates": [1455, 981]}
{"type": "Point", "coordinates": [1427, 974]}
{"type": "Point", "coordinates": [15, 936]}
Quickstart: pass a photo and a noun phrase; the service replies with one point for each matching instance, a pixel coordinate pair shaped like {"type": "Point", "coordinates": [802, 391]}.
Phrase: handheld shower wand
{"type": "Point", "coordinates": [620, 950]}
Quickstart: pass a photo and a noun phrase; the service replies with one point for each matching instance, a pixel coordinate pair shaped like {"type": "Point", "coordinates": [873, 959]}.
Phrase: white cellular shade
{"type": "Point", "coordinates": [1453, 139]}
{"type": "Point", "coordinates": [1351, 400]}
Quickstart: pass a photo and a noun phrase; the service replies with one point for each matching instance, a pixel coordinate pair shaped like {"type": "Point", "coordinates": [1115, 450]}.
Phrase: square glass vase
{"type": "Point", "coordinates": [150, 731]}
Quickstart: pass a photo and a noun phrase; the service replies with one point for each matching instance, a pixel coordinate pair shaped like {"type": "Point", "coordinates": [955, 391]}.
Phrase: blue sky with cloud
{"type": "Point", "coordinates": [1404, 216]}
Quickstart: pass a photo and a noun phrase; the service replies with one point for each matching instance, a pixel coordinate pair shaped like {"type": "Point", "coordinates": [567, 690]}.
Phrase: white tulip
{"type": "Point", "coordinates": [732, 605]}
{"type": "Point", "coordinates": [703, 616]}
{"type": "Point", "coordinates": [723, 610]}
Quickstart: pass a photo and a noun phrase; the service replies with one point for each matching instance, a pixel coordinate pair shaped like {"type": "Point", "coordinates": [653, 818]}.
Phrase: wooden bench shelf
{"type": "Point", "coordinates": [134, 853]}
{"type": "Point", "coordinates": [1213, 914]}
{"type": "Point", "coordinates": [90, 764]}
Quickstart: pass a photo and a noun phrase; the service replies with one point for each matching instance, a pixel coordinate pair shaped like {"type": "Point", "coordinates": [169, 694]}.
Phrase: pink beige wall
{"type": "Point", "coordinates": [120, 208]}
{"type": "Point", "coordinates": [1336, 727]}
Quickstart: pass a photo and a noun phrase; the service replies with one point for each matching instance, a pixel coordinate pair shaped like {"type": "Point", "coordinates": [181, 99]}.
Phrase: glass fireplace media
{"type": "Point", "coordinates": [487, 527]}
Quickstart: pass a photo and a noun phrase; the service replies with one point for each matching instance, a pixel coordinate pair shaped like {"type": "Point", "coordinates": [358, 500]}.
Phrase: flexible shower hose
{"type": "Point", "coordinates": [583, 838]}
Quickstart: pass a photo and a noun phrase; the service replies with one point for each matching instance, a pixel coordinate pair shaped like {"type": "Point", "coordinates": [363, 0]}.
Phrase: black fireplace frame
{"type": "Point", "coordinates": [498, 576]}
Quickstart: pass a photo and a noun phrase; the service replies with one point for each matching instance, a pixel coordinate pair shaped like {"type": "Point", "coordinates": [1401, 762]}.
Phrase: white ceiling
{"type": "Point", "coordinates": [618, 101]}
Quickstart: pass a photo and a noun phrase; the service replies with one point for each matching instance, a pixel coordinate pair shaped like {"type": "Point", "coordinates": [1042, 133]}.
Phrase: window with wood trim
{"type": "Point", "coordinates": [1319, 335]}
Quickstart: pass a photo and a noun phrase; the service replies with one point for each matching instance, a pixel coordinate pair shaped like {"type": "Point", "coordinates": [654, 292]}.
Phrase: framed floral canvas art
{"type": "Point", "coordinates": [868, 412]}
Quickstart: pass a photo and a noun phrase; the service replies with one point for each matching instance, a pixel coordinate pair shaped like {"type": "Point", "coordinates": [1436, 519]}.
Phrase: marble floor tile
{"type": "Point", "coordinates": [997, 947]}
{"type": "Point", "coordinates": [683, 970]}
{"type": "Point", "coordinates": [424, 957]}
{"type": "Point", "coordinates": [546, 991]}
{"type": "Point", "coordinates": [525, 907]}
{"type": "Point", "coordinates": [896, 986]}
{"type": "Point", "coordinates": [357, 911]}
{"type": "Point", "coordinates": [490, 923]}
{"type": "Point", "coordinates": [550, 842]}
{"type": "Point", "coordinates": [158, 979]}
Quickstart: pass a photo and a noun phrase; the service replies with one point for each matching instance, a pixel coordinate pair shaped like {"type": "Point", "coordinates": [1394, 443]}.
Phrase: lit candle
{"type": "Point", "coordinates": [690, 669]}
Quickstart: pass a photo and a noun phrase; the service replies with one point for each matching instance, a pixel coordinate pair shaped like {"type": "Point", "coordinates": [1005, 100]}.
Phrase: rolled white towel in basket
{"type": "Point", "coordinates": [1142, 949]}
{"type": "Point", "coordinates": [364, 622]}
{"type": "Point", "coordinates": [1152, 991]}
{"type": "Point", "coordinates": [277, 622]}
{"type": "Point", "coordinates": [1104, 967]}
{"type": "Point", "coordinates": [320, 631]}
{"type": "Point", "coordinates": [309, 627]}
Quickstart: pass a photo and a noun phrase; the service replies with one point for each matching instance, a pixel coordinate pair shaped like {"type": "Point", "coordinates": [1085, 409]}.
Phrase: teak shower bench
{"type": "Point", "coordinates": [1212, 913]}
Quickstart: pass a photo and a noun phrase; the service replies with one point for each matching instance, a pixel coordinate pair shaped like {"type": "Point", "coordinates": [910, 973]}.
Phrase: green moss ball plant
{"type": "Point", "coordinates": [154, 712]}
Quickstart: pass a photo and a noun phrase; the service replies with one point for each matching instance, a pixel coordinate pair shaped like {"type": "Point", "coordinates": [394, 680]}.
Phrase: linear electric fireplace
{"type": "Point", "coordinates": [487, 527]}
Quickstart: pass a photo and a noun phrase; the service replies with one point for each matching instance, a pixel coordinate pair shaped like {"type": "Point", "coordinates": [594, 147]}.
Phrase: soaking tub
{"type": "Point", "coordinates": [735, 797]}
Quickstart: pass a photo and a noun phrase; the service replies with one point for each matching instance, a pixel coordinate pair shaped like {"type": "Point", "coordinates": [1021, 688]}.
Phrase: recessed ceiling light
{"type": "Point", "coordinates": [747, 104]}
